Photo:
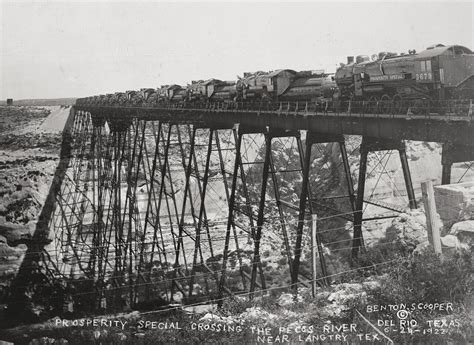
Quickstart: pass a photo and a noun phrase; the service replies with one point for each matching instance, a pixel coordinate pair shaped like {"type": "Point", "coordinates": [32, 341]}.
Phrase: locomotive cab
{"type": "Point", "coordinates": [262, 85]}
{"type": "Point", "coordinates": [210, 86]}
{"type": "Point", "coordinates": [146, 93]}
{"type": "Point", "coordinates": [447, 70]}
{"type": "Point", "coordinates": [281, 80]}
{"type": "Point", "coordinates": [176, 92]}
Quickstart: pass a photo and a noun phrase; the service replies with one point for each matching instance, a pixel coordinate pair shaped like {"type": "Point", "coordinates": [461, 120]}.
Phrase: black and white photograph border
{"type": "Point", "coordinates": [236, 172]}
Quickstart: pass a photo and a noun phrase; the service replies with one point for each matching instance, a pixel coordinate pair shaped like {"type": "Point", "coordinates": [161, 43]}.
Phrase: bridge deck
{"type": "Point", "coordinates": [452, 128]}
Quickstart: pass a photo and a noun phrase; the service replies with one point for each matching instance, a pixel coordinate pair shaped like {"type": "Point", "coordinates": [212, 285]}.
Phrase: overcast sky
{"type": "Point", "coordinates": [62, 49]}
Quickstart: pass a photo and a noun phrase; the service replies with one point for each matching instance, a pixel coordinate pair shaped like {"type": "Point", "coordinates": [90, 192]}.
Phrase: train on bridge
{"type": "Point", "coordinates": [439, 79]}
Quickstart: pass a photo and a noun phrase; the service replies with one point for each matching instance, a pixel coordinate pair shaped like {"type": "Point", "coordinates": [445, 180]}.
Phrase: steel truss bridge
{"type": "Point", "coordinates": [166, 203]}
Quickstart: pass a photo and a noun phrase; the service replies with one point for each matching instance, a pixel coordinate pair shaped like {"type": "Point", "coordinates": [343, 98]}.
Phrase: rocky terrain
{"type": "Point", "coordinates": [30, 140]}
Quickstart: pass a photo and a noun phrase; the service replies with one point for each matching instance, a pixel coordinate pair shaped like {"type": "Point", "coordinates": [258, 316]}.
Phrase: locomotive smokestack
{"type": "Point", "coordinates": [350, 59]}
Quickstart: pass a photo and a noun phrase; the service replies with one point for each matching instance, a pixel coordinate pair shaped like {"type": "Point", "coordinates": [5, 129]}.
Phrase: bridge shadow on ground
{"type": "Point", "coordinates": [31, 282]}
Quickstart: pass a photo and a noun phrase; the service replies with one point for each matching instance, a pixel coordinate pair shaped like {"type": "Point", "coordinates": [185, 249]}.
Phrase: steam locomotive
{"type": "Point", "coordinates": [384, 83]}
{"type": "Point", "coordinates": [438, 73]}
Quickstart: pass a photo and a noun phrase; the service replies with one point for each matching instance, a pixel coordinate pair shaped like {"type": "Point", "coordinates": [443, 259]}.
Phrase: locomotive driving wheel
{"type": "Point", "coordinates": [372, 105]}
{"type": "Point", "coordinates": [385, 104]}
{"type": "Point", "coordinates": [399, 106]}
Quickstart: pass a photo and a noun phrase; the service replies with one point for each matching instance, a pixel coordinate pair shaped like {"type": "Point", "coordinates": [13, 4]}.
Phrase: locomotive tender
{"type": "Point", "coordinates": [385, 83]}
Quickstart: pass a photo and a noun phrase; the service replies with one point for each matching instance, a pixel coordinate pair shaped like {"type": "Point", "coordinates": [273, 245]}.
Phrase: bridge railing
{"type": "Point", "coordinates": [424, 108]}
